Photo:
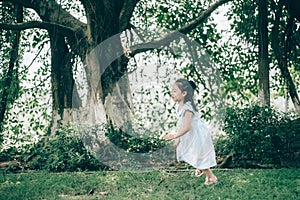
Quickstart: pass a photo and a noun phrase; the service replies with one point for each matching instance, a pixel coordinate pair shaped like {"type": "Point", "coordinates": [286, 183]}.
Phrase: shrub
{"type": "Point", "coordinates": [62, 152]}
{"type": "Point", "coordinates": [8, 154]}
{"type": "Point", "coordinates": [68, 149]}
{"type": "Point", "coordinates": [133, 142]}
{"type": "Point", "coordinates": [255, 133]}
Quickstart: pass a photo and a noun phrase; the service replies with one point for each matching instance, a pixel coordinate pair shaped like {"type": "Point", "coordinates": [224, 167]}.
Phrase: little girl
{"type": "Point", "coordinates": [195, 143]}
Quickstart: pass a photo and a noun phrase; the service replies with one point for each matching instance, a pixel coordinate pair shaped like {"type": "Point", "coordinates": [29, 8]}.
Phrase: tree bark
{"type": "Point", "coordinates": [64, 91]}
{"type": "Point", "coordinates": [263, 62]}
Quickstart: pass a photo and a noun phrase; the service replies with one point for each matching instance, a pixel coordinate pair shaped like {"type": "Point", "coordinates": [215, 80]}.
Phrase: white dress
{"type": "Point", "coordinates": [196, 146]}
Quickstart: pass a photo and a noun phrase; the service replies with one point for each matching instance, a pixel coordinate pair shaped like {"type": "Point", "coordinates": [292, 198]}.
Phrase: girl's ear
{"type": "Point", "coordinates": [184, 93]}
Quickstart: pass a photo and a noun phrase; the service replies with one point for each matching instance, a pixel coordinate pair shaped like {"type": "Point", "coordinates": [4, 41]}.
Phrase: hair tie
{"type": "Point", "coordinates": [193, 85]}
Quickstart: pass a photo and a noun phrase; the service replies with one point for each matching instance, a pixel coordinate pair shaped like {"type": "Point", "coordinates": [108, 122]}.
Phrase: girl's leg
{"type": "Point", "coordinates": [210, 177]}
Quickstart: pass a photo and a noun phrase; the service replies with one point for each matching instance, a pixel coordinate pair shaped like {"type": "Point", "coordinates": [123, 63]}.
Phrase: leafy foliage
{"type": "Point", "coordinates": [194, 54]}
{"type": "Point", "coordinates": [240, 53]}
{"type": "Point", "coordinates": [28, 112]}
{"type": "Point", "coordinates": [131, 143]}
{"type": "Point", "coordinates": [9, 80]}
{"type": "Point", "coordinates": [62, 152]}
{"type": "Point", "coordinates": [256, 133]}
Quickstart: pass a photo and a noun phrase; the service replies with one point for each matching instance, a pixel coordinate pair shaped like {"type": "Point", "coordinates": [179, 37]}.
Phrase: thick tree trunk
{"type": "Point", "coordinates": [119, 106]}
{"type": "Point", "coordinates": [106, 65]}
{"type": "Point", "coordinates": [263, 62]}
{"type": "Point", "coordinates": [64, 94]}
{"type": "Point", "coordinates": [108, 96]}
{"type": "Point", "coordinates": [108, 84]}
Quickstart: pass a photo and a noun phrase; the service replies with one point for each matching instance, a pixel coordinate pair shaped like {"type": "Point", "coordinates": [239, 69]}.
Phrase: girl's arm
{"type": "Point", "coordinates": [187, 119]}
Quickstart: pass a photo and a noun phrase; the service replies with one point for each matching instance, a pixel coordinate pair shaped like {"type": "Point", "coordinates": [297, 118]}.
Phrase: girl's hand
{"type": "Point", "coordinates": [169, 137]}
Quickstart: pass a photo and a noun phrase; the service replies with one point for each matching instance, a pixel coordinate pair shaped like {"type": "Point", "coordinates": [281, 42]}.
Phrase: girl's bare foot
{"type": "Point", "coordinates": [211, 180]}
{"type": "Point", "coordinates": [210, 177]}
{"type": "Point", "coordinates": [199, 172]}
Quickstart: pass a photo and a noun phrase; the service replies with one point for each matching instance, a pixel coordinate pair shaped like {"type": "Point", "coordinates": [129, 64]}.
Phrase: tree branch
{"type": "Point", "coordinates": [51, 12]}
{"type": "Point", "coordinates": [167, 39]}
{"type": "Point", "coordinates": [189, 27]}
{"type": "Point", "coordinates": [53, 16]}
{"type": "Point", "coordinates": [34, 24]}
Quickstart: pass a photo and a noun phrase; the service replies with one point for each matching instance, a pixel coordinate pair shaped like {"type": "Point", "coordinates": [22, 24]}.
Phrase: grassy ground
{"type": "Point", "coordinates": [233, 184]}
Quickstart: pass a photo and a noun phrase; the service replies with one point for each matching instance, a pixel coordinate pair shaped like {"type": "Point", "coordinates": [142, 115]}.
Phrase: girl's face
{"type": "Point", "coordinates": [177, 94]}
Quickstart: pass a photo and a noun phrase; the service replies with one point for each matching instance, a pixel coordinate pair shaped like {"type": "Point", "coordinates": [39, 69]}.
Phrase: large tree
{"type": "Point", "coordinates": [71, 38]}
{"type": "Point", "coordinates": [268, 39]}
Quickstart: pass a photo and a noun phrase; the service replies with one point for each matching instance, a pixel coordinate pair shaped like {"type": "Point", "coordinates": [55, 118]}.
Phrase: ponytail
{"type": "Point", "coordinates": [189, 87]}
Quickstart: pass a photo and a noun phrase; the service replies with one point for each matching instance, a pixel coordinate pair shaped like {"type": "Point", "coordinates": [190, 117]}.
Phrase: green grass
{"type": "Point", "coordinates": [233, 184]}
